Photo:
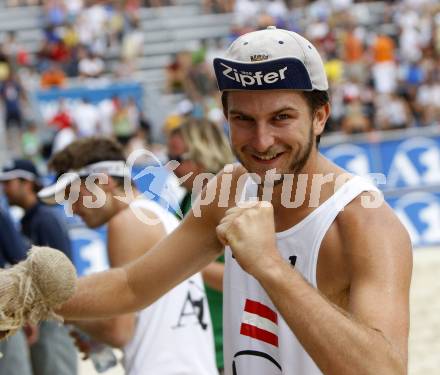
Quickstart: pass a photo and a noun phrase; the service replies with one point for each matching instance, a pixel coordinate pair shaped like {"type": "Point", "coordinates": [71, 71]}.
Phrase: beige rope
{"type": "Point", "coordinates": [32, 289]}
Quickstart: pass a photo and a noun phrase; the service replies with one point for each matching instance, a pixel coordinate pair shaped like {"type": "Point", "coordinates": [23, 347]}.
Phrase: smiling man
{"type": "Point", "coordinates": [319, 286]}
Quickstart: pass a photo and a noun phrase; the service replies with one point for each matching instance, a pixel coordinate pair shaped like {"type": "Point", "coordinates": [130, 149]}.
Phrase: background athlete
{"type": "Point", "coordinates": [174, 334]}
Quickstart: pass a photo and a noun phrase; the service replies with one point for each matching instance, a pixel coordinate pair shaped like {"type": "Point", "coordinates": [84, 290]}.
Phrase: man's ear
{"type": "Point", "coordinates": [110, 186]}
{"type": "Point", "coordinates": [320, 118]}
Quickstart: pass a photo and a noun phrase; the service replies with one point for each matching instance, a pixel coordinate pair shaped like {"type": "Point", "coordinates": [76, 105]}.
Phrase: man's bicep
{"type": "Point", "coordinates": [380, 280]}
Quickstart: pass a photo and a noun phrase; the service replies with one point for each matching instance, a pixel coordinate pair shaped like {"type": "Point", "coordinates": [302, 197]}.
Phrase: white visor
{"type": "Point", "coordinates": [54, 193]}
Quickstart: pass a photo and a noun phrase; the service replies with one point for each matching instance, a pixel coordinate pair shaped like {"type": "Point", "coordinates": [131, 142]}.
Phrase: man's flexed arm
{"type": "Point", "coordinates": [372, 336]}
{"type": "Point", "coordinates": [190, 247]}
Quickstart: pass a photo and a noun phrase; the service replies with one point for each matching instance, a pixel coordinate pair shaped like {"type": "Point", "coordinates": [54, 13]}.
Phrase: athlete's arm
{"type": "Point", "coordinates": [128, 239]}
{"type": "Point", "coordinates": [213, 275]}
{"type": "Point", "coordinates": [372, 336]}
{"type": "Point", "coordinates": [185, 251]}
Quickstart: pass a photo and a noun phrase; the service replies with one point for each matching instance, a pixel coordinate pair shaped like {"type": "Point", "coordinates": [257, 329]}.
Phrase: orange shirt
{"type": "Point", "coordinates": [353, 48]}
{"type": "Point", "coordinates": [383, 49]}
{"type": "Point", "coordinates": [52, 79]}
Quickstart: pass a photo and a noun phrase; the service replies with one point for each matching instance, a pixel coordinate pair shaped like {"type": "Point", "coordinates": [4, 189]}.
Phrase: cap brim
{"type": "Point", "coordinates": [277, 74]}
{"type": "Point", "coordinates": [54, 193]}
{"type": "Point", "coordinates": [5, 177]}
{"type": "Point", "coordinates": [17, 173]}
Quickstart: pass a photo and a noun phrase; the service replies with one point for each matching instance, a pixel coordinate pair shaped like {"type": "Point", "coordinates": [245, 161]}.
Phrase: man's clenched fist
{"type": "Point", "coordinates": [249, 230]}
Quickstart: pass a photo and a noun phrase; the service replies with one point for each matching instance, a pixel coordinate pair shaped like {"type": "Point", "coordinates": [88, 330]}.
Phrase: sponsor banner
{"type": "Point", "coordinates": [358, 158]}
{"type": "Point", "coordinates": [92, 94]}
{"type": "Point", "coordinates": [406, 163]}
{"type": "Point", "coordinates": [419, 211]}
{"type": "Point", "coordinates": [411, 163]}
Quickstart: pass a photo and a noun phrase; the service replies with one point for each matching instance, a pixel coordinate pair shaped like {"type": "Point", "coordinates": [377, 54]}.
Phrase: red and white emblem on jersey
{"type": "Point", "coordinates": [259, 322]}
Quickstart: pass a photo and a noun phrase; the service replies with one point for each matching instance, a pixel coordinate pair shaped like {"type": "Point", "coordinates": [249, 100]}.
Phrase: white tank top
{"type": "Point", "coordinates": [174, 334]}
{"type": "Point", "coordinates": [257, 340]}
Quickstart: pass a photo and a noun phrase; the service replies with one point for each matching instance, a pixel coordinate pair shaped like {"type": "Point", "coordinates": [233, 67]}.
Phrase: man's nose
{"type": "Point", "coordinates": [263, 138]}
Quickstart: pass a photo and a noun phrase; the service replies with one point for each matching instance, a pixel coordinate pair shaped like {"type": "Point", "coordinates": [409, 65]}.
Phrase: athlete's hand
{"type": "Point", "coordinates": [250, 232]}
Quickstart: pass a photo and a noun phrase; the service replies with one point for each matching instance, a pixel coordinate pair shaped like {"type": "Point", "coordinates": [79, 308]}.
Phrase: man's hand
{"type": "Point", "coordinates": [250, 232]}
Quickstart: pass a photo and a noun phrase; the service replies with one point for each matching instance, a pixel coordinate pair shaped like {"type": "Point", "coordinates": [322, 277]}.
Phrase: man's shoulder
{"type": "Point", "coordinates": [370, 228]}
{"type": "Point", "coordinates": [46, 213]}
{"type": "Point", "coordinates": [139, 214]}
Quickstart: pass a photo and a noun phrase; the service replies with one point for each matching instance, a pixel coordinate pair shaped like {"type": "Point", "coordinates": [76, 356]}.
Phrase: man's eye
{"type": "Point", "coordinates": [241, 118]}
{"type": "Point", "coordinates": [282, 116]}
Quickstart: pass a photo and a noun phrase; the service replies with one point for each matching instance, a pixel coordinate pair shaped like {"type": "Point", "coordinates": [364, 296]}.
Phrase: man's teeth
{"type": "Point", "coordinates": [267, 157]}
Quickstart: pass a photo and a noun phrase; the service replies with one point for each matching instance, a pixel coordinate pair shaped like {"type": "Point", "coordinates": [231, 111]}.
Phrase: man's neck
{"type": "Point", "coordinates": [122, 201]}
{"type": "Point", "coordinates": [296, 189]}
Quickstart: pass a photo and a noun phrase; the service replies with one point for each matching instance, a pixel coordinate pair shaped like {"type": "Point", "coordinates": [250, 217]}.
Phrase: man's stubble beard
{"type": "Point", "coordinates": [298, 163]}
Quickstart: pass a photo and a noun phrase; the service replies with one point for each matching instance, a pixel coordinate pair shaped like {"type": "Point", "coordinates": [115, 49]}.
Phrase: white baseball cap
{"type": "Point", "coordinates": [271, 59]}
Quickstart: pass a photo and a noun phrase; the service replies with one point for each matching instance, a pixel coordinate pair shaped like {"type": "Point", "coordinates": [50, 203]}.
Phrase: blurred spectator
{"type": "Point", "coordinates": [177, 71]}
{"type": "Point", "coordinates": [115, 24]}
{"type": "Point", "coordinates": [245, 12]}
{"type": "Point", "coordinates": [132, 45]}
{"type": "Point", "coordinates": [12, 96]}
{"type": "Point", "coordinates": [277, 9]}
{"type": "Point", "coordinates": [54, 12]}
{"type": "Point", "coordinates": [218, 6]}
{"type": "Point", "coordinates": [392, 112]}
{"type": "Point", "coordinates": [5, 68]}
{"type": "Point", "coordinates": [53, 77]}
{"type": "Point", "coordinates": [107, 109]}
{"type": "Point", "coordinates": [86, 119]}
{"type": "Point", "coordinates": [428, 98]}
{"type": "Point", "coordinates": [62, 118]}
{"type": "Point", "coordinates": [64, 137]}
{"type": "Point", "coordinates": [73, 7]}
{"type": "Point", "coordinates": [31, 143]}
{"type": "Point", "coordinates": [355, 119]}
{"type": "Point", "coordinates": [353, 53]}
{"type": "Point", "coordinates": [125, 120]}
{"type": "Point", "coordinates": [139, 141]}
{"type": "Point", "coordinates": [14, 51]}
{"type": "Point", "coordinates": [384, 68]}
{"type": "Point", "coordinates": [159, 3]}
{"type": "Point", "coordinates": [91, 65]}
{"type": "Point", "coordinates": [199, 81]}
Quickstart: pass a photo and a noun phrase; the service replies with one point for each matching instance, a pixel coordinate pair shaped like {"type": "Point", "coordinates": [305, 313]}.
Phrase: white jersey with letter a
{"type": "Point", "coordinates": [257, 340]}
{"type": "Point", "coordinates": [174, 334]}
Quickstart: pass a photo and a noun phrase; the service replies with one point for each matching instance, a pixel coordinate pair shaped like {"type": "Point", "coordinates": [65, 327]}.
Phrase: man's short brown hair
{"type": "Point", "coordinates": [86, 151]}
